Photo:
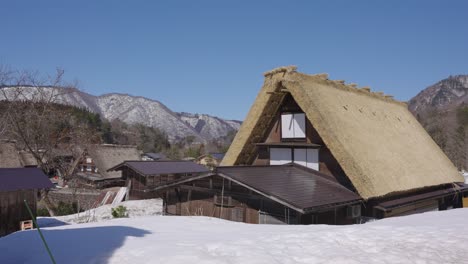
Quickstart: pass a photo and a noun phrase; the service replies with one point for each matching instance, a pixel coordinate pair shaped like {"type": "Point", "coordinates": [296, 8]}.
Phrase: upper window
{"type": "Point", "coordinates": [293, 125]}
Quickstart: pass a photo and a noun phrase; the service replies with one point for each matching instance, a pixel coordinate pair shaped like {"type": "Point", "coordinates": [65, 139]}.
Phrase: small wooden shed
{"type": "Point", "coordinates": [17, 185]}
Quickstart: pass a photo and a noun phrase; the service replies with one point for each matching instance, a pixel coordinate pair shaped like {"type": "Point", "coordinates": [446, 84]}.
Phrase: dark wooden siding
{"type": "Point", "coordinates": [13, 210]}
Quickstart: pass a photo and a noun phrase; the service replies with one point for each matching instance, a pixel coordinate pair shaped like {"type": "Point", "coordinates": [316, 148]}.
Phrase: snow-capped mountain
{"type": "Point", "coordinates": [446, 93]}
{"type": "Point", "coordinates": [131, 109]}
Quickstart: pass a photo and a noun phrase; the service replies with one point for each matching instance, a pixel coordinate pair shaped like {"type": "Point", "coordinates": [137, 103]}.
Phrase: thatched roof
{"type": "Point", "coordinates": [9, 156]}
{"type": "Point", "coordinates": [27, 159]}
{"type": "Point", "coordinates": [379, 144]}
{"type": "Point", "coordinates": [107, 156]}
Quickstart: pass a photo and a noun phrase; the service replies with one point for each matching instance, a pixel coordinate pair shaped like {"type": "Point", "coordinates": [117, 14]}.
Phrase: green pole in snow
{"type": "Point", "coordinates": [40, 233]}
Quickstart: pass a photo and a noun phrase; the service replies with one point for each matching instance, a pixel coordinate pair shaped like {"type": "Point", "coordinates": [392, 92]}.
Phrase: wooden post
{"type": "Point", "coordinates": [222, 201]}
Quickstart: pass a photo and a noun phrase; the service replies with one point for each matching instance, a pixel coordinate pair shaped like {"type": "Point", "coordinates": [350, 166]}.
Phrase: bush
{"type": "Point", "coordinates": [42, 212]}
{"type": "Point", "coordinates": [119, 212]}
{"type": "Point", "coordinates": [66, 208]}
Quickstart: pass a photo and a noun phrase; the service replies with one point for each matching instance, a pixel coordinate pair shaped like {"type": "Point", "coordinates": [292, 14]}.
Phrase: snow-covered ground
{"type": "Point", "coordinates": [433, 237]}
{"type": "Point", "coordinates": [134, 209]}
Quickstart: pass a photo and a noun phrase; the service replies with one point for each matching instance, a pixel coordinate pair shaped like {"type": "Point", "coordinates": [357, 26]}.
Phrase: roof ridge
{"type": "Point", "coordinates": [352, 87]}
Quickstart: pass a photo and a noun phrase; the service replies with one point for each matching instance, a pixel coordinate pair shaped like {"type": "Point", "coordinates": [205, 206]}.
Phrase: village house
{"type": "Point", "coordinates": [92, 167]}
{"type": "Point", "coordinates": [368, 142]}
{"type": "Point", "coordinates": [314, 150]}
{"type": "Point", "coordinates": [18, 185]}
{"type": "Point", "coordinates": [90, 184]}
{"type": "Point", "coordinates": [142, 177]}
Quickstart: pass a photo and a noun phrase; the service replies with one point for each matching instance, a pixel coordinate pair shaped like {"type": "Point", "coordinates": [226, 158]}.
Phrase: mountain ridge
{"type": "Point", "coordinates": [132, 109]}
{"type": "Point", "coordinates": [442, 109]}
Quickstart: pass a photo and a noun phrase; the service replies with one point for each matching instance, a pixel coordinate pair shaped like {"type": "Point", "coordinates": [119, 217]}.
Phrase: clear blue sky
{"type": "Point", "coordinates": [209, 56]}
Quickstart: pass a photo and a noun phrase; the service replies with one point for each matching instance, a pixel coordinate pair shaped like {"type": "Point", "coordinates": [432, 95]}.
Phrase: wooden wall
{"type": "Point", "coordinates": [13, 210]}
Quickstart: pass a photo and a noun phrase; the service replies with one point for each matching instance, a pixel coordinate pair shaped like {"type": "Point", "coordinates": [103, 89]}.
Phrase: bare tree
{"type": "Point", "coordinates": [33, 115]}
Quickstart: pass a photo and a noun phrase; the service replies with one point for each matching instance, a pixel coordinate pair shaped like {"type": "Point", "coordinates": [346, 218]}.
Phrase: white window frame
{"type": "Point", "coordinates": [293, 126]}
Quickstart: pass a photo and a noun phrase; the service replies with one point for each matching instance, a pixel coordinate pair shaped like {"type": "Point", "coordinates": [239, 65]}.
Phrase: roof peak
{"type": "Point", "coordinates": [282, 69]}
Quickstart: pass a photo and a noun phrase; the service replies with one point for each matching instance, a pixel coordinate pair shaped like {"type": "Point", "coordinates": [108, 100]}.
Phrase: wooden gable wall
{"type": "Point", "coordinates": [327, 162]}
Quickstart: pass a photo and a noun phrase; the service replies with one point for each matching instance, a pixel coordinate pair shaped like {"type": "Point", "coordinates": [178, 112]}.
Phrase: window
{"type": "Point", "coordinates": [293, 126]}
{"type": "Point", "coordinates": [279, 156]}
{"type": "Point", "coordinates": [306, 157]}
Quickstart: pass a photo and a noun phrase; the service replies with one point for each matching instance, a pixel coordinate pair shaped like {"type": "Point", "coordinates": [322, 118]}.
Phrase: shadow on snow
{"type": "Point", "coordinates": [94, 244]}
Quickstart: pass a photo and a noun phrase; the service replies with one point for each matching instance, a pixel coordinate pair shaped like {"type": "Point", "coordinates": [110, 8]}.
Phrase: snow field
{"type": "Point", "coordinates": [434, 237]}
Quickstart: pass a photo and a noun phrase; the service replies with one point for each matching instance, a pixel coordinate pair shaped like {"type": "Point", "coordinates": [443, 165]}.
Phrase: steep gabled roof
{"type": "Point", "coordinates": [379, 144]}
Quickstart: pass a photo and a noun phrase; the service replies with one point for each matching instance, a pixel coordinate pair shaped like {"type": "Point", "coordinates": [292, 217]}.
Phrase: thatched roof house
{"type": "Point", "coordinates": [92, 168]}
{"type": "Point", "coordinates": [107, 156]}
{"type": "Point", "coordinates": [378, 144]}
{"type": "Point", "coordinates": [12, 157]}
{"type": "Point", "coordinates": [317, 151]}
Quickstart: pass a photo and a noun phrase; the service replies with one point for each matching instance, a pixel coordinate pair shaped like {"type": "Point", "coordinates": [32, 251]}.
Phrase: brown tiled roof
{"type": "Point", "coordinates": [302, 188]}
{"type": "Point", "coordinates": [147, 168]}
{"type": "Point", "coordinates": [400, 202]}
